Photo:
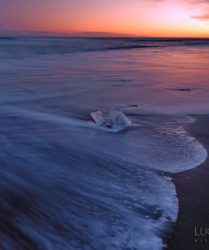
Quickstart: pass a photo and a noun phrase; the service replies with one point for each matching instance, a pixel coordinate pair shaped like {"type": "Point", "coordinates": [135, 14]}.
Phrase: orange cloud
{"type": "Point", "coordinates": [204, 17]}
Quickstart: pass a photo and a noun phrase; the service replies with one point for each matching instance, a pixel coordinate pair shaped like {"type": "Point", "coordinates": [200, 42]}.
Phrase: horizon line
{"type": "Point", "coordinates": [89, 34]}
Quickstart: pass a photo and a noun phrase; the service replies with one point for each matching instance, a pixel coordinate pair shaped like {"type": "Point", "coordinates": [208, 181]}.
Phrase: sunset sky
{"type": "Point", "coordinates": [183, 18]}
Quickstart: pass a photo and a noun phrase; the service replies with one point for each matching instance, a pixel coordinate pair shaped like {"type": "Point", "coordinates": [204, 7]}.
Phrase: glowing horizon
{"type": "Point", "coordinates": [150, 18]}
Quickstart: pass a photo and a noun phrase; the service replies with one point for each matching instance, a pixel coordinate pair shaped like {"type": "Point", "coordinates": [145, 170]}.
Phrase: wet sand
{"type": "Point", "coordinates": [193, 192]}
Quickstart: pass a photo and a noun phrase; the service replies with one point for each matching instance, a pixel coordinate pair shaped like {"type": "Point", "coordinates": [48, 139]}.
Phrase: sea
{"type": "Point", "coordinates": [91, 132]}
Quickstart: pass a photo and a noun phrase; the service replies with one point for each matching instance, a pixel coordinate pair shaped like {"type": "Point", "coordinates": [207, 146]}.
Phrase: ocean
{"type": "Point", "coordinates": [91, 130]}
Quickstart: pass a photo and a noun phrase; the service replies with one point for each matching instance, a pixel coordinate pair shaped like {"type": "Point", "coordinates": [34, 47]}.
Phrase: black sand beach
{"type": "Point", "coordinates": [192, 187]}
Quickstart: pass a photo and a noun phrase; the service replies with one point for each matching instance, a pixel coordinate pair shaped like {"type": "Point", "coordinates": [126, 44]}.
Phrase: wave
{"type": "Point", "coordinates": [168, 147]}
{"type": "Point", "coordinates": [68, 184]}
{"type": "Point", "coordinates": [32, 46]}
{"type": "Point", "coordinates": [116, 121]}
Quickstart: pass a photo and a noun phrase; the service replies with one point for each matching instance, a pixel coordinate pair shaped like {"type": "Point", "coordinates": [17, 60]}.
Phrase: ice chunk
{"type": "Point", "coordinates": [117, 118]}
{"type": "Point", "coordinates": [113, 119]}
{"type": "Point", "coordinates": [98, 117]}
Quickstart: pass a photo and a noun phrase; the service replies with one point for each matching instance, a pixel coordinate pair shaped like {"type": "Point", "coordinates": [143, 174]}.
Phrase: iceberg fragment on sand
{"type": "Point", "coordinates": [113, 119]}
